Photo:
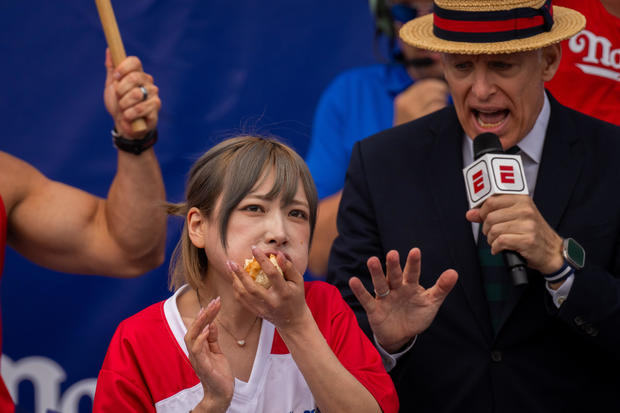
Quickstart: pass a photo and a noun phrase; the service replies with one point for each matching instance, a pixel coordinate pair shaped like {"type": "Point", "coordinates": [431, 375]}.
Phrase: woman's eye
{"type": "Point", "coordinates": [298, 213]}
{"type": "Point", "coordinates": [253, 208]}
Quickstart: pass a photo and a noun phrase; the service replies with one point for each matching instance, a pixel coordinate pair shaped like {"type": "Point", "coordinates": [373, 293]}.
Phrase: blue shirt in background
{"type": "Point", "coordinates": [358, 103]}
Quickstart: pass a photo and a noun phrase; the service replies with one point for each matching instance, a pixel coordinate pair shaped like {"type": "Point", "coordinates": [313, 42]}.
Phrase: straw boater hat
{"type": "Point", "coordinates": [492, 26]}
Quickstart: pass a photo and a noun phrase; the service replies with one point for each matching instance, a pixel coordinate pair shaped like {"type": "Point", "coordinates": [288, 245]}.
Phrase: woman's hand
{"type": "Point", "coordinates": [208, 361]}
{"type": "Point", "coordinates": [283, 304]}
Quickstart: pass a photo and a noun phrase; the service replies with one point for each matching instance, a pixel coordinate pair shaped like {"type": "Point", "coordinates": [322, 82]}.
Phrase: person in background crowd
{"type": "Point", "coordinates": [588, 79]}
{"type": "Point", "coordinates": [364, 101]}
{"type": "Point", "coordinates": [550, 345]}
{"type": "Point", "coordinates": [69, 230]}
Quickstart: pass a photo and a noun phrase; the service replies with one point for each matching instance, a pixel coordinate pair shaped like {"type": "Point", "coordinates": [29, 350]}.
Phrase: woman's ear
{"type": "Point", "coordinates": [196, 227]}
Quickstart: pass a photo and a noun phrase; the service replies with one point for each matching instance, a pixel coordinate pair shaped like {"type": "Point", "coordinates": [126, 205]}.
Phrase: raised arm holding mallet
{"type": "Point", "coordinates": [117, 50]}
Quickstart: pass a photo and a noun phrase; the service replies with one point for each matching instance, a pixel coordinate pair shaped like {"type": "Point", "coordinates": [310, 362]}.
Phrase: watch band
{"type": "Point", "coordinates": [561, 274]}
{"type": "Point", "coordinates": [135, 146]}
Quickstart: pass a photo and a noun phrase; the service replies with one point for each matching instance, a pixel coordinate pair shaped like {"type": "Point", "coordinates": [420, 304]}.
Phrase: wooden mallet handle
{"type": "Point", "coordinates": [115, 44]}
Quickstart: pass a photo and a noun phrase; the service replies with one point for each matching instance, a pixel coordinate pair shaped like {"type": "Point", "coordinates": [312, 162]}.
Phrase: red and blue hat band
{"type": "Point", "coordinates": [491, 26]}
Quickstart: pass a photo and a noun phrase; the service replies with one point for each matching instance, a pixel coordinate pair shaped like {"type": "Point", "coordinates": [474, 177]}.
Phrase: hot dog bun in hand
{"type": "Point", "coordinates": [253, 268]}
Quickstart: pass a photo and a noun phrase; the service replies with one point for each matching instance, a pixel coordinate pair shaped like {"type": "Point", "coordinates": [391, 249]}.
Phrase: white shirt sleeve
{"type": "Point", "coordinates": [558, 296]}
{"type": "Point", "coordinates": [389, 360]}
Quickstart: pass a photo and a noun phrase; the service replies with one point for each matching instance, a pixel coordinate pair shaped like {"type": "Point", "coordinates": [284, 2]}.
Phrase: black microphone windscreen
{"type": "Point", "coordinates": [487, 143]}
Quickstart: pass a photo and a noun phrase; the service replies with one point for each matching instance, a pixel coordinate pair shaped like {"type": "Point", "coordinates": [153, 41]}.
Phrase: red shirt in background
{"type": "Point", "coordinates": [6, 403]}
{"type": "Point", "coordinates": [588, 78]}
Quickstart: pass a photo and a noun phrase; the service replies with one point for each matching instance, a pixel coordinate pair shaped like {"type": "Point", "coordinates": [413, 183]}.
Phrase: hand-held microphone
{"type": "Point", "coordinates": [495, 172]}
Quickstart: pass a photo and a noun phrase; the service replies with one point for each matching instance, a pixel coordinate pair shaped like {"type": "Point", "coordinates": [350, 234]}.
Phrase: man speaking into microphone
{"type": "Point", "coordinates": [484, 343]}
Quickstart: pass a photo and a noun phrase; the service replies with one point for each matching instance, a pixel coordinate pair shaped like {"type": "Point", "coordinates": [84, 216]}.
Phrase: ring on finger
{"type": "Point", "coordinates": [145, 93]}
{"type": "Point", "coordinates": [383, 294]}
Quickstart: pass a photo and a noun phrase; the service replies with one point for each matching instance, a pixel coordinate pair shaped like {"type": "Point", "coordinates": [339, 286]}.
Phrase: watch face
{"type": "Point", "coordinates": [575, 253]}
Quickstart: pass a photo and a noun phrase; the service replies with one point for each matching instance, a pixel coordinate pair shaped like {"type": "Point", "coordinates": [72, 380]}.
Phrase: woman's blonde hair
{"type": "Point", "coordinates": [232, 169]}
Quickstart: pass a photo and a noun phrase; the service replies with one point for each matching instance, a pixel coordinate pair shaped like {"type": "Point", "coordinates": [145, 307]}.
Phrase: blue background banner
{"type": "Point", "coordinates": [222, 67]}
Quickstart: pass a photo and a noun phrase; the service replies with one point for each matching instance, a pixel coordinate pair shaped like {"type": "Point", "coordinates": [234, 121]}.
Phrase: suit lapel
{"type": "Point", "coordinates": [559, 168]}
{"type": "Point", "coordinates": [557, 175]}
{"type": "Point", "coordinates": [445, 163]}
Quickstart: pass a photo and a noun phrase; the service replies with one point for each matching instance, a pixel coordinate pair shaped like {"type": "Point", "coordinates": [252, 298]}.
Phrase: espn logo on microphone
{"type": "Point", "coordinates": [494, 174]}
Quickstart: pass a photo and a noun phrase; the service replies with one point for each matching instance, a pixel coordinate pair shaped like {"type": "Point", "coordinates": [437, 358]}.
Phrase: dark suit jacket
{"type": "Point", "coordinates": [405, 188]}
